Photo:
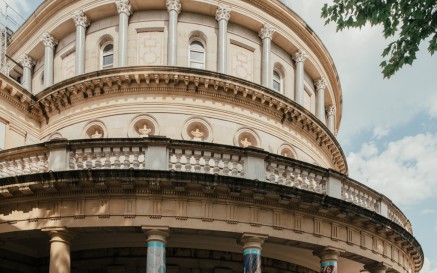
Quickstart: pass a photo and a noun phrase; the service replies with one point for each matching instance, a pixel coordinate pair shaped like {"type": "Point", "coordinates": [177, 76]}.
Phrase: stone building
{"type": "Point", "coordinates": [185, 136]}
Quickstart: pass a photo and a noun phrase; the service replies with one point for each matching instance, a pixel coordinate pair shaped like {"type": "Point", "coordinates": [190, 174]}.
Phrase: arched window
{"type": "Point", "coordinates": [197, 55]}
{"type": "Point", "coordinates": [107, 56]}
{"type": "Point", "coordinates": [277, 81]}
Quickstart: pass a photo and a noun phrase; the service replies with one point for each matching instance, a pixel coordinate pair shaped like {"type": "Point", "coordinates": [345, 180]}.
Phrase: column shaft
{"type": "Point", "coordinates": [156, 240]}
{"type": "Point", "coordinates": [266, 34]}
{"type": "Point", "coordinates": [320, 99]}
{"type": "Point", "coordinates": [49, 43]}
{"type": "Point", "coordinates": [122, 42]}
{"type": "Point", "coordinates": [331, 118]}
{"type": "Point", "coordinates": [222, 54]}
{"type": "Point", "coordinates": [172, 37]}
{"type": "Point", "coordinates": [251, 260]}
{"type": "Point", "coordinates": [299, 57]}
{"type": "Point", "coordinates": [80, 50]}
{"type": "Point", "coordinates": [27, 78]}
{"type": "Point", "coordinates": [60, 261]}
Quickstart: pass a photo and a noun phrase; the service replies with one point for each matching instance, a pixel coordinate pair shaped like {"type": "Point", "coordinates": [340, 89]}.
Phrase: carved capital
{"type": "Point", "coordinates": [320, 84]}
{"type": "Point", "coordinates": [174, 5]}
{"type": "Point", "coordinates": [266, 32]}
{"type": "Point", "coordinates": [328, 253]}
{"type": "Point", "coordinates": [80, 19]}
{"type": "Point", "coordinates": [58, 234]}
{"type": "Point", "coordinates": [300, 56]}
{"type": "Point", "coordinates": [223, 13]}
{"type": "Point", "coordinates": [331, 110]}
{"type": "Point", "coordinates": [26, 61]}
{"type": "Point", "coordinates": [48, 40]}
{"type": "Point", "coordinates": [123, 6]}
{"type": "Point", "coordinates": [251, 240]}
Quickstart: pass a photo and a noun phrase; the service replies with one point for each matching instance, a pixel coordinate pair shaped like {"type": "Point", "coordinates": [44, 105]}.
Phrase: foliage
{"type": "Point", "coordinates": [411, 21]}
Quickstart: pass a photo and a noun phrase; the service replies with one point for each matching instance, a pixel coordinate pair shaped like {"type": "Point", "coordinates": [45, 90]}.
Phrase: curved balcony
{"type": "Point", "coordinates": [182, 82]}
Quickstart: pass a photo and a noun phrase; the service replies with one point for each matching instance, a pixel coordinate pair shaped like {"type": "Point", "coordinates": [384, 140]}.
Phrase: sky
{"type": "Point", "coordinates": [389, 126]}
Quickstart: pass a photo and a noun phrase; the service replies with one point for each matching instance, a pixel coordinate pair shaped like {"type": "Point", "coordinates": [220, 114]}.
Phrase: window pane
{"type": "Point", "coordinates": [197, 56]}
{"type": "Point", "coordinates": [276, 76]}
{"type": "Point", "coordinates": [108, 48]}
{"type": "Point", "coordinates": [197, 65]}
{"type": "Point", "coordinates": [276, 86]}
{"type": "Point", "coordinates": [196, 45]}
{"type": "Point", "coordinates": [108, 59]}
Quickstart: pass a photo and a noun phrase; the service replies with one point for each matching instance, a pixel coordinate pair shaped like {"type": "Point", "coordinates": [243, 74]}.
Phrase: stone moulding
{"type": "Point", "coordinates": [188, 82]}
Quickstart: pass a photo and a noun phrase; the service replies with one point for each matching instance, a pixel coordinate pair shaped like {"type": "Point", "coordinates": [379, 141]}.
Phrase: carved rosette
{"type": "Point", "coordinates": [80, 19]}
{"type": "Point", "coordinates": [174, 5]}
{"type": "Point", "coordinates": [320, 84]}
{"type": "Point", "coordinates": [223, 13]}
{"type": "Point", "coordinates": [266, 32]}
{"type": "Point", "coordinates": [26, 61]}
{"type": "Point", "coordinates": [48, 40]}
{"type": "Point", "coordinates": [123, 6]}
{"type": "Point", "coordinates": [331, 110]}
{"type": "Point", "coordinates": [300, 56]}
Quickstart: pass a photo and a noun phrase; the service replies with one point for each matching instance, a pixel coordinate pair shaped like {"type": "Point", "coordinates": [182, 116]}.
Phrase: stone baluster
{"type": "Point", "coordinates": [26, 169]}
{"type": "Point", "coordinates": [107, 154]}
{"type": "Point", "coordinates": [197, 155]}
{"type": "Point", "coordinates": [299, 57]}
{"type": "Point", "coordinates": [226, 158]}
{"type": "Point", "coordinates": [304, 176]}
{"type": "Point", "coordinates": [88, 156]}
{"type": "Point", "coordinates": [311, 182]}
{"type": "Point", "coordinates": [216, 159]}
{"type": "Point", "coordinates": [234, 163]}
{"type": "Point", "coordinates": [271, 172]}
{"type": "Point", "coordinates": [49, 43]}
{"type": "Point", "coordinates": [188, 154]}
{"type": "Point", "coordinates": [297, 178]}
{"type": "Point", "coordinates": [117, 154]}
{"type": "Point", "coordinates": [81, 21]}
{"type": "Point", "coordinates": [42, 166]}
{"type": "Point", "coordinates": [207, 158]}
{"type": "Point", "coordinates": [289, 176]}
{"type": "Point", "coordinates": [173, 8]}
{"type": "Point", "coordinates": [98, 154]}
{"type": "Point", "coordinates": [136, 162]}
{"type": "Point", "coordinates": [60, 240]}
{"type": "Point", "coordinates": [266, 35]}
{"type": "Point", "coordinates": [34, 164]}
{"type": "Point", "coordinates": [178, 165]}
{"type": "Point", "coordinates": [28, 63]}
{"type": "Point", "coordinates": [222, 15]}
{"type": "Point", "coordinates": [281, 178]}
{"type": "Point", "coordinates": [126, 153]}
{"type": "Point", "coordinates": [124, 11]}
{"type": "Point", "coordinates": [320, 99]}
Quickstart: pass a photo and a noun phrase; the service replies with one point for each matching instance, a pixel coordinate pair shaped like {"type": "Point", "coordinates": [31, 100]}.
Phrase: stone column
{"type": "Point", "coordinates": [222, 16]}
{"type": "Point", "coordinates": [156, 240]}
{"type": "Point", "coordinates": [124, 11]}
{"type": "Point", "coordinates": [60, 240]}
{"type": "Point", "coordinates": [328, 259]}
{"type": "Point", "coordinates": [331, 118]}
{"type": "Point", "coordinates": [299, 57]}
{"type": "Point", "coordinates": [174, 8]}
{"type": "Point", "coordinates": [82, 23]}
{"type": "Point", "coordinates": [27, 64]}
{"type": "Point", "coordinates": [266, 34]}
{"type": "Point", "coordinates": [49, 43]}
{"type": "Point", "coordinates": [252, 252]}
{"type": "Point", "coordinates": [376, 268]}
{"type": "Point", "coordinates": [320, 99]}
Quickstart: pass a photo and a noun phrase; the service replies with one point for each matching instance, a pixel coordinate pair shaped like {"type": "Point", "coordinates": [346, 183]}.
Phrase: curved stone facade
{"type": "Point", "coordinates": [182, 136]}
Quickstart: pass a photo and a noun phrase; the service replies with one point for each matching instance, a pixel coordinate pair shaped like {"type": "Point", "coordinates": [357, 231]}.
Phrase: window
{"type": "Point", "coordinates": [197, 55]}
{"type": "Point", "coordinates": [107, 59]}
{"type": "Point", "coordinates": [277, 85]}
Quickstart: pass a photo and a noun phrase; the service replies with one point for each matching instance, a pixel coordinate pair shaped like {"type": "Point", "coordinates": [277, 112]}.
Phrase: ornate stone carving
{"type": "Point", "coordinates": [174, 5]}
{"type": "Point", "coordinates": [266, 31]}
{"type": "Point", "coordinates": [26, 61]}
{"type": "Point", "coordinates": [144, 132]}
{"type": "Point", "coordinates": [300, 56]}
{"type": "Point", "coordinates": [320, 84]}
{"type": "Point", "coordinates": [197, 135]}
{"type": "Point", "coordinates": [123, 6]}
{"type": "Point", "coordinates": [80, 19]}
{"type": "Point", "coordinates": [49, 40]}
{"type": "Point", "coordinates": [331, 110]}
{"type": "Point", "coordinates": [245, 143]}
{"type": "Point", "coordinates": [223, 12]}
{"type": "Point", "coordinates": [97, 134]}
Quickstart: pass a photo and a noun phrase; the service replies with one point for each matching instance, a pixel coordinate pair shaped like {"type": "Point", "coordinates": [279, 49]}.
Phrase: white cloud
{"type": "Point", "coordinates": [428, 267]}
{"type": "Point", "coordinates": [427, 211]}
{"type": "Point", "coordinates": [381, 131]}
{"type": "Point", "coordinates": [405, 171]}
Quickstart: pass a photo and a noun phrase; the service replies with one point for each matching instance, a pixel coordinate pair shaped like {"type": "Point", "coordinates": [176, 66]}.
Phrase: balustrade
{"type": "Point", "coordinates": [25, 164]}
{"type": "Point", "coordinates": [360, 196]}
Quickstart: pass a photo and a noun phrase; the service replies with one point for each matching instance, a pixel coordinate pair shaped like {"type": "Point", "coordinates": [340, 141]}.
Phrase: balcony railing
{"type": "Point", "coordinates": [159, 153]}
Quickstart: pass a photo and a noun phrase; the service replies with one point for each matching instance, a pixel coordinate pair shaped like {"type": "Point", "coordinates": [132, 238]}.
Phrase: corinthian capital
{"type": "Point", "coordinates": [320, 84]}
{"type": "Point", "coordinates": [26, 61]}
{"type": "Point", "coordinates": [174, 5]}
{"type": "Point", "coordinates": [80, 19]}
{"type": "Point", "coordinates": [266, 31]}
{"type": "Point", "coordinates": [223, 12]}
{"type": "Point", "coordinates": [331, 110]}
{"type": "Point", "coordinates": [48, 40]}
{"type": "Point", "coordinates": [300, 56]}
{"type": "Point", "coordinates": [123, 6]}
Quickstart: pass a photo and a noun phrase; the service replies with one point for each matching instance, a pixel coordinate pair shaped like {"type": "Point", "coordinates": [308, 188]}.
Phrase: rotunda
{"type": "Point", "coordinates": [182, 136]}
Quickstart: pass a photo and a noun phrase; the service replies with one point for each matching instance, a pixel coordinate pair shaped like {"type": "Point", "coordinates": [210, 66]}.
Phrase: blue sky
{"type": "Point", "coordinates": [389, 127]}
